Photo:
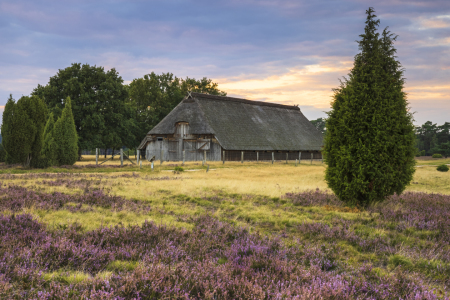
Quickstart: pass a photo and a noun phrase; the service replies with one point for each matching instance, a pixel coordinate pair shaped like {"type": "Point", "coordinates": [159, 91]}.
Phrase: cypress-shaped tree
{"type": "Point", "coordinates": [370, 143]}
{"type": "Point", "coordinates": [22, 128]}
{"type": "Point", "coordinates": [65, 137]}
{"type": "Point", "coordinates": [7, 129]}
{"type": "Point", "coordinates": [49, 147]}
{"type": "Point", "coordinates": [37, 113]}
{"type": "Point", "coordinates": [21, 132]}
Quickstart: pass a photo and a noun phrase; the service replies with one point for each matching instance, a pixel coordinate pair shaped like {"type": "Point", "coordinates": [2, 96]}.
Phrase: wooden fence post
{"type": "Point", "coordinates": [223, 157]}
{"type": "Point", "coordinates": [287, 155]}
{"type": "Point", "coordinates": [184, 156]}
{"type": "Point", "coordinates": [312, 157]}
{"type": "Point", "coordinates": [296, 162]}
{"type": "Point", "coordinates": [96, 156]}
{"type": "Point", "coordinates": [273, 157]}
{"type": "Point", "coordinates": [257, 157]}
{"type": "Point", "coordinates": [138, 154]}
{"type": "Point", "coordinates": [204, 156]}
{"type": "Point", "coordinates": [299, 156]}
{"type": "Point", "coordinates": [121, 157]}
{"type": "Point", "coordinates": [162, 155]}
{"type": "Point", "coordinates": [242, 157]}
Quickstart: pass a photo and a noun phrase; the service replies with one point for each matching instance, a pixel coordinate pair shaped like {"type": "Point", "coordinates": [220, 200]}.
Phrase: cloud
{"type": "Point", "coordinates": [285, 51]}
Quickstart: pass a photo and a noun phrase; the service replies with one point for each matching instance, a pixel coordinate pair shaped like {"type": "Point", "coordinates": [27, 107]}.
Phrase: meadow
{"type": "Point", "coordinates": [230, 231]}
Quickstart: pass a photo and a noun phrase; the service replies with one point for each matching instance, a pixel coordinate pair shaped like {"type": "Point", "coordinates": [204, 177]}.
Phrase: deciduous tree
{"type": "Point", "coordinates": [154, 96]}
{"type": "Point", "coordinates": [99, 104]}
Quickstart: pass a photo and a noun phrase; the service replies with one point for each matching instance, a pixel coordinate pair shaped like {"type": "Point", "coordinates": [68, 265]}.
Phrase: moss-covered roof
{"type": "Point", "coordinates": [240, 124]}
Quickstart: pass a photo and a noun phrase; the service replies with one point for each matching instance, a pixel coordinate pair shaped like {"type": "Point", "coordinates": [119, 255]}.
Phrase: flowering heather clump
{"type": "Point", "coordinates": [213, 261]}
{"type": "Point", "coordinates": [313, 198]}
{"type": "Point", "coordinates": [15, 199]}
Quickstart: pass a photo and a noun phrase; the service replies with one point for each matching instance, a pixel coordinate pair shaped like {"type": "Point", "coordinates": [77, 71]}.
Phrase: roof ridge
{"type": "Point", "coordinates": [245, 101]}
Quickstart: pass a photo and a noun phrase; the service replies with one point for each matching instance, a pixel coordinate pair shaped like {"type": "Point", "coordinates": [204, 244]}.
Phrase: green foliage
{"type": "Point", "coordinates": [154, 96]}
{"type": "Point", "coordinates": [65, 137]}
{"type": "Point", "coordinates": [442, 168]}
{"type": "Point", "coordinates": [320, 124]}
{"type": "Point", "coordinates": [2, 153]}
{"type": "Point", "coordinates": [178, 169]}
{"type": "Point", "coordinates": [432, 138]}
{"type": "Point", "coordinates": [102, 117]}
{"type": "Point", "coordinates": [22, 130]}
{"type": "Point", "coordinates": [442, 149]}
{"type": "Point", "coordinates": [370, 142]}
{"type": "Point", "coordinates": [7, 128]}
{"type": "Point", "coordinates": [49, 147]}
{"type": "Point", "coordinates": [436, 155]}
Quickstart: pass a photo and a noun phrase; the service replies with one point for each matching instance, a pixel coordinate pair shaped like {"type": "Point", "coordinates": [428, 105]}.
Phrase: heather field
{"type": "Point", "coordinates": [238, 231]}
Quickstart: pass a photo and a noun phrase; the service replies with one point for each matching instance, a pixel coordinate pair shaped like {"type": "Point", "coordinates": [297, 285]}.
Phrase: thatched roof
{"type": "Point", "coordinates": [240, 124]}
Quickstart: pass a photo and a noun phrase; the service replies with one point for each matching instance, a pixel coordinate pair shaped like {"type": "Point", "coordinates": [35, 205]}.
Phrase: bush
{"type": "Point", "coordinates": [422, 153]}
{"type": "Point", "coordinates": [178, 169]}
{"type": "Point", "coordinates": [442, 168]}
{"type": "Point", "coordinates": [436, 155]}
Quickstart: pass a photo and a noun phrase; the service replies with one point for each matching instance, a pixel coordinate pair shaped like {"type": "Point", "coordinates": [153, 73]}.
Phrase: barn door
{"type": "Point", "coordinates": [189, 148]}
{"type": "Point", "coordinates": [173, 150]}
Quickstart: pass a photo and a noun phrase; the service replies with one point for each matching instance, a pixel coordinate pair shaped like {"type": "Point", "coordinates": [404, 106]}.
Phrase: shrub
{"type": "Point", "coordinates": [437, 155]}
{"type": "Point", "coordinates": [442, 168]}
{"type": "Point", "coordinates": [178, 169]}
{"type": "Point", "coordinates": [422, 153]}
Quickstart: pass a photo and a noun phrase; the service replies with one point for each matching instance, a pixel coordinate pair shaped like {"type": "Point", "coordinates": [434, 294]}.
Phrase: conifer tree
{"type": "Point", "coordinates": [370, 143]}
{"type": "Point", "coordinates": [20, 132]}
{"type": "Point", "coordinates": [49, 146]}
{"type": "Point", "coordinates": [22, 129]}
{"type": "Point", "coordinates": [7, 129]}
{"type": "Point", "coordinates": [65, 137]}
{"type": "Point", "coordinates": [36, 111]}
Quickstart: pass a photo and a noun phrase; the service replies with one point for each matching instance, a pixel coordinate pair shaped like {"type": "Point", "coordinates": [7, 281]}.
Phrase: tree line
{"type": "Point", "coordinates": [430, 138]}
{"type": "Point", "coordinates": [105, 112]}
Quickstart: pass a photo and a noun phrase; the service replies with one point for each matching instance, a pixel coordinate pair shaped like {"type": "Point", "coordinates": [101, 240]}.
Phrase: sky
{"type": "Point", "coordinates": [281, 51]}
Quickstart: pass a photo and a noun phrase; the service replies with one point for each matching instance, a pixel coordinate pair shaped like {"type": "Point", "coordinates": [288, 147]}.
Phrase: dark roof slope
{"type": "Point", "coordinates": [186, 111]}
{"type": "Point", "coordinates": [240, 124]}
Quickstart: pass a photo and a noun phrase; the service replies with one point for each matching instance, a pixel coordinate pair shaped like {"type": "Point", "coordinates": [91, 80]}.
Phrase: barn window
{"type": "Point", "coordinates": [160, 139]}
{"type": "Point", "coordinates": [182, 129]}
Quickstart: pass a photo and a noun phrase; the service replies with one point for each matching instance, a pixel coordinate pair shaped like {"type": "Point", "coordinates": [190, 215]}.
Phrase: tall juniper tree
{"type": "Point", "coordinates": [65, 137]}
{"type": "Point", "coordinates": [370, 143]}
{"type": "Point", "coordinates": [22, 130]}
{"type": "Point", "coordinates": [49, 147]}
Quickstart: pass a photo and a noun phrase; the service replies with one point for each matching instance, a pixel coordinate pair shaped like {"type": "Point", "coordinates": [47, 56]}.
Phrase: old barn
{"type": "Point", "coordinates": [225, 128]}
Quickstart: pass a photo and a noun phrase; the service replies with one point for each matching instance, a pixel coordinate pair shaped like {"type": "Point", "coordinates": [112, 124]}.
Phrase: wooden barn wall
{"type": "Point", "coordinates": [233, 155]}
{"type": "Point", "coordinates": [171, 148]}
